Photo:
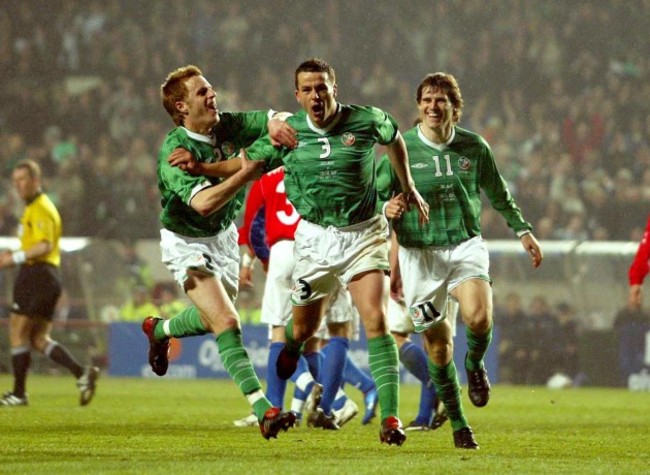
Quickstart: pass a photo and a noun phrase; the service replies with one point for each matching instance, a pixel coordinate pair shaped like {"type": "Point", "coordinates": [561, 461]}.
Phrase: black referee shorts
{"type": "Point", "coordinates": [37, 290]}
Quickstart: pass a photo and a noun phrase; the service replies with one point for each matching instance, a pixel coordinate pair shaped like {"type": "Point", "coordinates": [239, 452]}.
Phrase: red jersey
{"type": "Point", "coordinates": [280, 215]}
{"type": "Point", "coordinates": [639, 268]}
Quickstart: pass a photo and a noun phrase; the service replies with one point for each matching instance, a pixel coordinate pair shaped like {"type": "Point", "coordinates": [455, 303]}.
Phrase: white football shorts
{"type": "Point", "coordinates": [329, 257]}
{"type": "Point", "coordinates": [428, 275]}
{"type": "Point", "coordinates": [216, 255]}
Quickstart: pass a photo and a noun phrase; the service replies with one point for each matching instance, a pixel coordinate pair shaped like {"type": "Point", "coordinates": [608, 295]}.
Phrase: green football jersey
{"type": "Point", "coordinates": [330, 178]}
{"type": "Point", "coordinates": [236, 130]}
{"type": "Point", "coordinates": [450, 178]}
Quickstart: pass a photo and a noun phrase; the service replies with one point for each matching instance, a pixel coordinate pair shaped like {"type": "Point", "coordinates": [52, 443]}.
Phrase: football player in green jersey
{"type": "Point", "coordinates": [330, 178]}
{"type": "Point", "coordinates": [448, 257]}
{"type": "Point", "coordinates": [199, 238]}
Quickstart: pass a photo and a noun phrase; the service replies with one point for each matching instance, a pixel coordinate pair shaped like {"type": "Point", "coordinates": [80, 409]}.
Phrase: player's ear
{"type": "Point", "coordinates": [181, 107]}
{"type": "Point", "coordinates": [297, 94]}
{"type": "Point", "coordinates": [335, 90]}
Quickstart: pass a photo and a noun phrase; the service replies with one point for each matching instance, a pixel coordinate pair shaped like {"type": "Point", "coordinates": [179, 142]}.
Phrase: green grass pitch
{"type": "Point", "coordinates": [183, 427]}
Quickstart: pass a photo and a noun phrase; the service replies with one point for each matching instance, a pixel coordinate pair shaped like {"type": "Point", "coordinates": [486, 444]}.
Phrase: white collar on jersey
{"type": "Point", "coordinates": [200, 137]}
{"type": "Point", "coordinates": [437, 146]}
{"type": "Point", "coordinates": [329, 126]}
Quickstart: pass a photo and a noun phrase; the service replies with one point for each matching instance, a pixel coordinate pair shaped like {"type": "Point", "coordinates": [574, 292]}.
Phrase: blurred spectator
{"type": "Point", "coordinates": [69, 309]}
{"type": "Point", "coordinates": [513, 351]}
{"type": "Point", "coordinates": [138, 306]}
{"type": "Point", "coordinates": [8, 222]}
{"type": "Point", "coordinates": [248, 306]}
{"type": "Point", "coordinates": [574, 229]}
{"type": "Point", "coordinates": [563, 350]}
{"type": "Point", "coordinates": [168, 301]}
{"type": "Point", "coordinates": [138, 271]}
{"type": "Point", "coordinates": [631, 325]}
{"type": "Point", "coordinates": [539, 340]}
{"type": "Point", "coordinates": [544, 229]}
{"type": "Point", "coordinates": [568, 111]}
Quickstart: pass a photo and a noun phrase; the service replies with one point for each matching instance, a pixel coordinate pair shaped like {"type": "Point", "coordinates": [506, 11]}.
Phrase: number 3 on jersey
{"type": "Point", "coordinates": [325, 146]}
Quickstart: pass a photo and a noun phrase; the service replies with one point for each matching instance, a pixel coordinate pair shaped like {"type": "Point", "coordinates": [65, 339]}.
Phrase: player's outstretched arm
{"type": "Point", "coordinates": [211, 199]}
{"type": "Point", "coordinates": [184, 160]}
{"type": "Point", "coordinates": [532, 248]}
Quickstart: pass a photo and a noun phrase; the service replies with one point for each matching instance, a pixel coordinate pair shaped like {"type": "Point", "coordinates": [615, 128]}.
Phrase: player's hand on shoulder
{"type": "Point", "coordinates": [282, 133]}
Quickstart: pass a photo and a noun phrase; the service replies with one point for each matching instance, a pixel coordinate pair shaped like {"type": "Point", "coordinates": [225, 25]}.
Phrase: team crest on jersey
{"type": "Point", "coordinates": [348, 139]}
{"type": "Point", "coordinates": [464, 163]}
{"type": "Point", "coordinates": [228, 148]}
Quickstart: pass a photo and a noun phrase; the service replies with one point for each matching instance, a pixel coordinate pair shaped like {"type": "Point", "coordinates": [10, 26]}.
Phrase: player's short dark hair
{"type": "Point", "coordinates": [174, 90]}
{"type": "Point", "coordinates": [315, 65]}
{"type": "Point", "coordinates": [446, 83]}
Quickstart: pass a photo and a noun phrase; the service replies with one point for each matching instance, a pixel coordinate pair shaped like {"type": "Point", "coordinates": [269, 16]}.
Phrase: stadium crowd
{"type": "Point", "coordinates": [559, 89]}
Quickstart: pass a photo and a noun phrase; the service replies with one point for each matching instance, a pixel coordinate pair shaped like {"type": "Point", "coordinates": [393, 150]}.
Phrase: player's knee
{"type": "Point", "coordinates": [303, 332]}
{"type": "Point", "coordinates": [439, 346]}
{"type": "Point", "coordinates": [375, 325]}
{"type": "Point", "coordinates": [441, 352]}
{"type": "Point", "coordinates": [223, 322]}
{"type": "Point", "coordinates": [479, 320]}
{"type": "Point", "coordinates": [39, 343]}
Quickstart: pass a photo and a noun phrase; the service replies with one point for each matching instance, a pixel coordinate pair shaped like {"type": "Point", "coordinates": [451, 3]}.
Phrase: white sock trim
{"type": "Point", "coordinates": [19, 350]}
{"type": "Point", "coordinates": [255, 396]}
{"type": "Point", "coordinates": [49, 348]}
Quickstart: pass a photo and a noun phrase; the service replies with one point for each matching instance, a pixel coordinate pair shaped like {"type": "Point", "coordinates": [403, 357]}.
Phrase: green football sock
{"type": "Point", "coordinates": [445, 380]}
{"type": "Point", "coordinates": [477, 347]}
{"type": "Point", "coordinates": [384, 366]}
{"type": "Point", "coordinates": [293, 347]}
{"type": "Point", "coordinates": [238, 365]}
{"type": "Point", "coordinates": [186, 323]}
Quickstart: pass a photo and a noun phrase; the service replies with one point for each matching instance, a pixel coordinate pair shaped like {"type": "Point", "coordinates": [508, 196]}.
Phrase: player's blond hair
{"type": "Point", "coordinates": [174, 90]}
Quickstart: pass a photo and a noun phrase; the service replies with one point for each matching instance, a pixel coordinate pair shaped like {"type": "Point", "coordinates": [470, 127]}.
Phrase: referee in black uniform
{"type": "Point", "coordinates": [37, 289]}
